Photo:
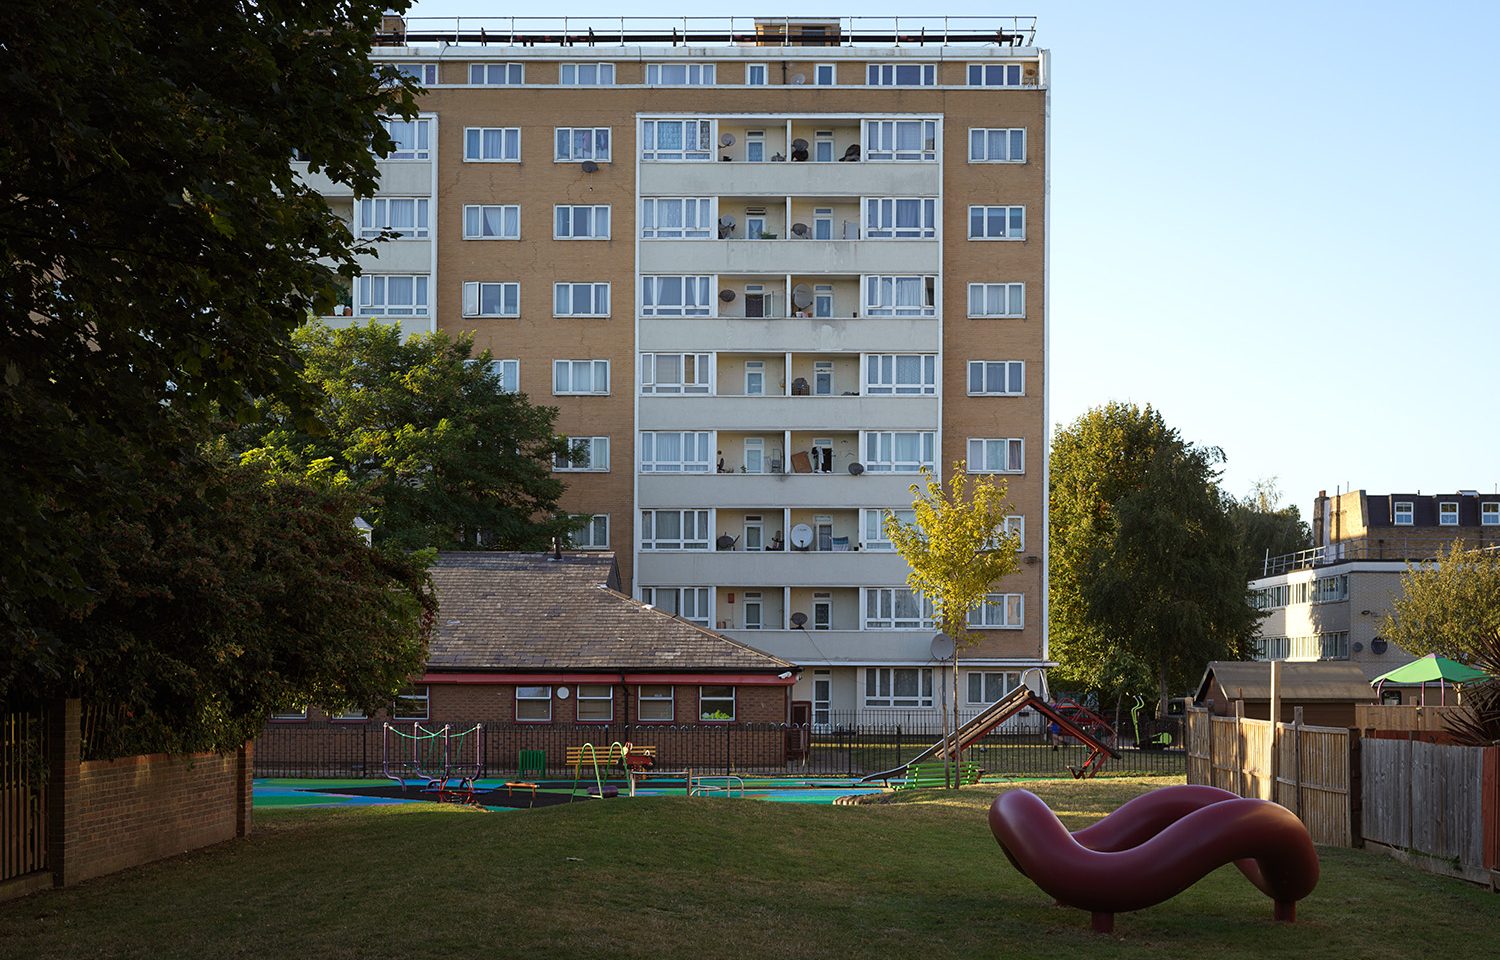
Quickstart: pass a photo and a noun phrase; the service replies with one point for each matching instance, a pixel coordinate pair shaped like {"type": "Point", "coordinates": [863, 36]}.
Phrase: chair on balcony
{"type": "Point", "coordinates": [840, 545]}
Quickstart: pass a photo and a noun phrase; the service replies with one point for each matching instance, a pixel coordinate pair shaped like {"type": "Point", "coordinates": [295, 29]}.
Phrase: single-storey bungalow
{"type": "Point", "coordinates": [1326, 690]}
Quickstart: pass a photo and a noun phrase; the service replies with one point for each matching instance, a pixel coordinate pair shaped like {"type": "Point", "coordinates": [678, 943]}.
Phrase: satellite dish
{"type": "Point", "coordinates": [798, 619]}
{"type": "Point", "coordinates": [799, 144]}
{"type": "Point", "coordinates": [800, 229]}
{"type": "Point", "coordinates": [799, 78]}
{"type": "Point", "coordinates": [943, 647]}
{"type": "Point", "coordinates": [726, 140]}
{"type": "Point", "coordinates": [726, 295]}
{"type": "Point", "coordinates": [852, 153]}
{"type": "Point", "coordinates": [856, 468]}
{"type": "Point", "coordinates": [801, 294]}
{"type": "Point", "coordinates": [726, 221]}
{"type": "Point", "coordinates": [802, 536]}
{"type": "Point", "coordinates": [590, 166]}
{"type": "Point", "coordinates": [1378, 645]}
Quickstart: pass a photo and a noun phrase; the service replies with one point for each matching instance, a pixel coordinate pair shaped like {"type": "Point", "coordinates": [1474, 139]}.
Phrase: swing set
{"type": "Point", "coordinates": [444, 762]}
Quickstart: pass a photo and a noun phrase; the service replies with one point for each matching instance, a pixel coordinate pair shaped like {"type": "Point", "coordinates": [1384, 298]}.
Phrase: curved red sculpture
{"type": "Point", "coordinates": [1155, 847]}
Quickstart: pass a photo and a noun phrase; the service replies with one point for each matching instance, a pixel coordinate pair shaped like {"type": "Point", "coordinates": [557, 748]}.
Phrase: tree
{"type": "Point", "coordinates": [957, 547]}
{"type": "Point", "coordinates": [438, 454]}
{"type": "Point", "coordinates": [1147, 568]}
{"type": "Point", "coordinates": [1267, 528]}
{"type": "Point", "coordinates": [156, 252]}
{"type": "Point", "coordinates": [1450, 607]}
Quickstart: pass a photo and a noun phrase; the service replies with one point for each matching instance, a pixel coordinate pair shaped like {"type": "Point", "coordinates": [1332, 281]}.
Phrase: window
{"type": "Point", "coordinates": [677, 140]}
{"type": "Point", "coordinates": [1000, 611]}
{"type": "Point", "coordinates": [680, 74]}
{"type": "Point", "coordinates": [823, 150]}
{"type": "Point", "coordinates": [987, 687]}
{"type": "Point", "coordinates": [533, 704]}
{"type": "Point", "coordinates": [889, 452]}
{"type": "Point", "coordinates": [581, 223]}
{"type": "Point", "coordinates": [580, 377]}
{"type": "Point", "coordinates": [689, 603]}
{"type": "Point", "coordinates": [1005, 455]}
{"type": "Point", "coordinates": [997, 378]}
{"type": "Point", "coordinates": [900, 374]}
{"type": "Point", "coordinates": [823, 300]}
{"type": "Point", "coordinates": [900, 218]}
{"type": "Point", "coordinates": [386, 295]}
{"type": "Point", "coordinates": [822, 611]}
{"type": "Point", "coordinates": [822, 228]}
{"type": "Point", "coordinates": [406, 216]}
{"type": "Point", "coordinates": [756, 74]}
{"type": "Point", "coordinates": [754, 608]}
{"type": "Point", "coordinates": [656, 703]}
{"type": "Point", "coordinates": [1403, 513]}
{"type": "Point", "coordinates": [292, 713]}
{"type": "Point", "coordinates": [492, 299]}
{"type": "Point", "coordinates": [755, 152]}
{"type": "Point", "coordinates": [900, 296]}
{"type": "Point", "coordinates": [995, 75]}
{"type": "Point", "coordinates": [755, 462]}
{"type": "Point", "coordinates": [596, 702]}
{"type": "Point", "coordinates": [997, 144]}
{"type": "Point", "coordinates": [672, 452]}
{"type": "Point", "coordinates": [901, 74]}
{"type": "Point", "coordinates": [675, 373]}
{"type": "Point", "coordinates": [898, 687]}
{"type": "Point", "coordinates": [896, 608]}
{"type": "Point", "coordinates": [909, 140]}
{"type": "Point", "coordinates": [997, 299]}
{"type": "Point", "coordinates": [586, 74]}
{"type": "Point", "coordinates": [716, 703]}
{"type": "Point", "coordinates": [1014, 524]}
{"type": "Point", "coordinates": [411, 704]}
{"type": "Point", "coordinates": [508, 372]}
{"type": "Point", "coordinates": [424, 73]}
{"type": "Point", "coordinates": [496, 74]}
{"type": "Point", "coordinates": [576, 144]}
{"type": "Point", "coordinates": [676, 296]}
{"type": "Point", "coordinates": [1489, 514]}
{"type": "Point", "coordinates": [350, 716]}
{"type": "Point", "coordinates": [413, 139]}
{"type": "Point", "coordinates": [580, 299]}
{"type": "Point", "coordinates": [492, 222]}
{"type": "Point", "coordinates": [589, 455]}
{"type": "Point", "coordinates": [874, 526]}
{"type": "Point", "coordinates": [997, 223]}
{"type": "Point", "coordinates": [492, 144]}
{"type": "Point", "coordinates": [594, 535]}
{"type": "Point", "coordinates": [677, 218]}
{"type": "Point", "coordinates": [1448, 513]}
{"type": "Point", "coordinates": [825, 74]}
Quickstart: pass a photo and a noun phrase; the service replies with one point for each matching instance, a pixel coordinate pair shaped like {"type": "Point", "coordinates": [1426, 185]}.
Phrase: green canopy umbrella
{"type": "Point", "coordinates": [1432, 669]}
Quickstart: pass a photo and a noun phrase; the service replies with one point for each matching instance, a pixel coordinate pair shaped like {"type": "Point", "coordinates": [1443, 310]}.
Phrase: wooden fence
{"type": "Point", "coordinates": [1426, 802]}
{"type": "Point", "coordinates": [23, 793]}
{"type": "Point", "coordinates": [1313, 774]}
{"type": "Point", "coordinates": [1369, 716]}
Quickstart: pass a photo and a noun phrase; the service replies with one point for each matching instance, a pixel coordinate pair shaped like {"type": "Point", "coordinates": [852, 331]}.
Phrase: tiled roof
{"type": "Point", "coordinates": [530, 612]}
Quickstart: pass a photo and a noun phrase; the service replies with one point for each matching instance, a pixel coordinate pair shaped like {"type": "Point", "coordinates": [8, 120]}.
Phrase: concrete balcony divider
{"type": "Point", "coordinates": [787, 413]}
{"type": "Point", "coordinates": [774, 490]}
{"type": "Point", "coordinates": [398, 178]}
{"type": "Point", "coordinates": [399, 256]}
{"type": "Point", "coordinates": [795, 334]}
{"type": "Point", "coordinates": [783, 256]}
{"type": "Point", "coordinates": [774, 567]}
{"type": "Point", "coordinates": [716, 178]}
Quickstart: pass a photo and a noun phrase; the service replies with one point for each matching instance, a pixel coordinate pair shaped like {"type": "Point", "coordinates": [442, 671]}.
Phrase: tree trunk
{"type": "Point", "coordinates": [957, 753]}
{"type": "Point", "coordinates": [1164, 693]}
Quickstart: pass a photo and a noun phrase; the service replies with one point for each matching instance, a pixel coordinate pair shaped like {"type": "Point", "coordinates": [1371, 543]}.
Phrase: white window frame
{"type": "Point", "coordinates": [593, 697]}
{"type": "Point", "coordinates": [832, 74]}
{"type": "Point", "coordinates": [1015, 523]}
{"type": "Point", "coordinates": [1008, 230]}
{"type": "Point", "coordinates": [511, 382]}
{"type": "Point", "coordinates": [656, 700]}
{"type": "Point", "coordinates": [593, 535]}
{"type": "Point", "coordinates": [1447, 513]}
{"type": "Point", "coordinates": [568, 73]}
{"type": "Point", "coordinates": [879, 690]}
{"type": "Point", "coordinates": [704, 146]}
{"type": "Point", "coordinates": [881, 221]}
{"type": "Point", "coordinates": [886, 616]}
{"type": "Point", "coordinates": [888, 74]}
{"type": "Point", "coordinates": [373, 291]}
{"type": "Point", "coordinates": [694, 530]}
{"type": "Point", "coordinates": [289, 714]}
{"type": "Point", "coordinates": [474, 145]}
{"type": "Point", "coordinates": [698, 440]}
{"type": "Point", "coordinates": [1006, 73]}
{"type": "Point", "coordinates": [882, 139]}
{"type": "Point", "coordinates": [597, 460]}
{"type": "Point", "coordinates": [411, 695]}
{"type": "Point", "coordinates": [565, 147]}
{"type": "Point", "coordinates": [1397, 513]}
{"type": "Point", "coordinates": [565, 373]}
{"type": "Point", "coordinates": [880, 451]}
{"type": "Point", "coordinates": [701, 597]}
{"type": "Point", "coordinates": [1013, 450]}
{"type": "Point", "coordinates": [883, 370]}
{"type": "Point", "coordinates": [1009, 372]}
{"type": "Point", "coordinates": [731, 699]}
{"type": "Point", "coordinates": [564, 226]}
{"type": "Point", "coordinates": [999, 611]}
{"type": "Point", "coordinates": [703, 289]}
{"type": "Point", "coordinates": [1489, 514]}
{"type": "Point", "coordinates": [872, 526]}
{"type": "Point", "coordinates": [754, 599]}
{"type": "Point", "coordinates": [533, 695]}
{"type": "Point", "coordinates": [698, 380]}
{"type": "Point", "coordinates": [507, 211]}
{"type": "Point", "coordinates": [755, 152]}
{"type": "Point", "coordinates": [511, 74]}
{"type": "Point", "coordinates": [419, 130]}
{"type": "Point", "coordinates": [700, 210]}
{"type": "Point", "coordinates": [1011, 294]}
{"type": "Point", "coordinates": [1009, 680]}
{"type": "Point", "coordinates": [693, 74]}
{"type": "Point", "coordinates": [474, 296]}
{"type": "Point", "coordinates": [377, 210]}
{"type": "Point", "coordinates": [764, 70]}
{"type": "Point", "coordinates": [424, 73]}
{"type": "Point", "coordinates": [1011, 143]}
{"type": "Point", "coordinates": [880, 295]}
{"type": "Point", "coordinates": [565, 299]}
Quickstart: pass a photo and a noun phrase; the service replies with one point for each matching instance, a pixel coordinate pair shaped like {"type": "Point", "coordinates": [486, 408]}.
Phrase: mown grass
{"type": "Point", "coordinates": [670, 878]}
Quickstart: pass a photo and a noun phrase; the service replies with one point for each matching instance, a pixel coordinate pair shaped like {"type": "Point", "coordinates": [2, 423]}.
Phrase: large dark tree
{"type": "Point", "coordinates": [1147, 569]}
{"type": "Point", "coordinates": [156, 252]}
{"type": "Point", "coordinates": [1268, 529]}
{"type": "Point", "coordinates": [437, 452]}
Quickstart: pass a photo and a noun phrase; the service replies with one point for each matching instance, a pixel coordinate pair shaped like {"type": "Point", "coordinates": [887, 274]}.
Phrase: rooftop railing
{"type": "Point", "coordinates": [1367, 548]}
{"type": "Point", "coordinates": [1017, 31]}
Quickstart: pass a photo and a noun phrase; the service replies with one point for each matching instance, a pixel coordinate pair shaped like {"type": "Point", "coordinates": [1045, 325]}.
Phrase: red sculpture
{"type": "Point", "coordinates": [1156, 846]}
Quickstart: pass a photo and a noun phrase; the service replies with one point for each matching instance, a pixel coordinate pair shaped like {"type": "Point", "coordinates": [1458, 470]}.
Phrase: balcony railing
{"type": "Point", "coordinates": [1369, 548]}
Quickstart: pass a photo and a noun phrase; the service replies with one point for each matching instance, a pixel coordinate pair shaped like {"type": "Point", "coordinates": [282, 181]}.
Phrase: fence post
{"type": "Point", "coordinates": [1239, 747]}
{"type": "Point", "coordinates": [1297, 758]}
{"type": "Point", "coordinates": [1275, 758]}
{"type": "Point", "coordinates": [64, 743]}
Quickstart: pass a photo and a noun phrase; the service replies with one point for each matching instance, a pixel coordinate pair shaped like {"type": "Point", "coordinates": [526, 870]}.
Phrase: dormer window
{"type": "Point", "coordinates": [1402, 514]}
{"type": "Point", "coordinates": [1448, 513]}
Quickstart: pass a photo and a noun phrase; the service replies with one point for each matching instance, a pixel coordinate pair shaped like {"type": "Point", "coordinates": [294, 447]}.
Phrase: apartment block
{"type": "Point", "coordinates": [767, 271]}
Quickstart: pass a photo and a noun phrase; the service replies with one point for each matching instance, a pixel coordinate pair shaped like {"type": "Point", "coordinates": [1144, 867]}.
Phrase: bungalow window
{"type": "Point", "coordinates": [534, 704]}
{"type": "Point", "coordinates": [596, 702]}
{"type": "Point", "coordinates": [716, 703]}
{"type": "Point", "coordinates": [290, 713]}
{"type": "Point", "coordinates": [657, 703]}
{"type": "Point", "coordinates": [411, 704]}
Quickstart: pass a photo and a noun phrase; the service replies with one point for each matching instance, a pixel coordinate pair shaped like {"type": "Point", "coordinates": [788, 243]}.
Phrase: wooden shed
{"type": "Point", "coordinates": [1326, 690]}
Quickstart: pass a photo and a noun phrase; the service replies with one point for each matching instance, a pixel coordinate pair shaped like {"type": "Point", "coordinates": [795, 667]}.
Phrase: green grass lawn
{"type": "Point", "coordinates": [674, 878]}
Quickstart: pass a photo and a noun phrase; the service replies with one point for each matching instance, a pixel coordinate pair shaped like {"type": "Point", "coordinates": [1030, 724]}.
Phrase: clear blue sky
{"type": "Point", "coordinates": [1272, 221]}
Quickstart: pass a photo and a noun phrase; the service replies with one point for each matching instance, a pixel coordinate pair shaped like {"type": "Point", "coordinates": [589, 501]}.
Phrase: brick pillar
{"type": "Point", "coordinates": [64, 740]}
{"type": "Point", "coordinates": [244, 775]}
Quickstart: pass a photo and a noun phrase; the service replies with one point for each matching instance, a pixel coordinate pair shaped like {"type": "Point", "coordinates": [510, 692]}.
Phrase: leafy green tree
{"type": "Point", "coordinates": [438, 454]}
{"type": "Point", "coordinates": [1147, 567]}
{"type": "Point", "coordinates": [156, 253]}
{"type": "Point", "coordinates": [1451, 607]}
{"type": "Point", "coordinates": [957, 548]}
{"type": "Point", "coordinates": [1268, 529]}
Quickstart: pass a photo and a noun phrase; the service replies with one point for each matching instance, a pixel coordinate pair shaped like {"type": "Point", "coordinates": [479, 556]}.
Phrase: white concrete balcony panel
{"type": "Point", "coordinates": [399, 256]}
{"type": "Point", "coordinates": [795, 334]}
{"type": "Point", "coordinates": [788, 413]}
{"type": "Point", "coordinates": [410, 326]}
{"type": "Point", "coordinates": [790, 256]}
{"type": "Point", "coordinates": [662, 179]}
{"type": "Point", "coordinates": [787, 568]}
{"type": "Point", "coordinates": [842, 647]}
{"type": "Point", "coordinates": [398, 178]}
{"type": "Point", "coordinates": [774, 490]}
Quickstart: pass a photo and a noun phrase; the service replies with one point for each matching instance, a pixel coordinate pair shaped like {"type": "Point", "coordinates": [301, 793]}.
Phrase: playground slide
{"type": "Point", "coordinates": [1156, 846]}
